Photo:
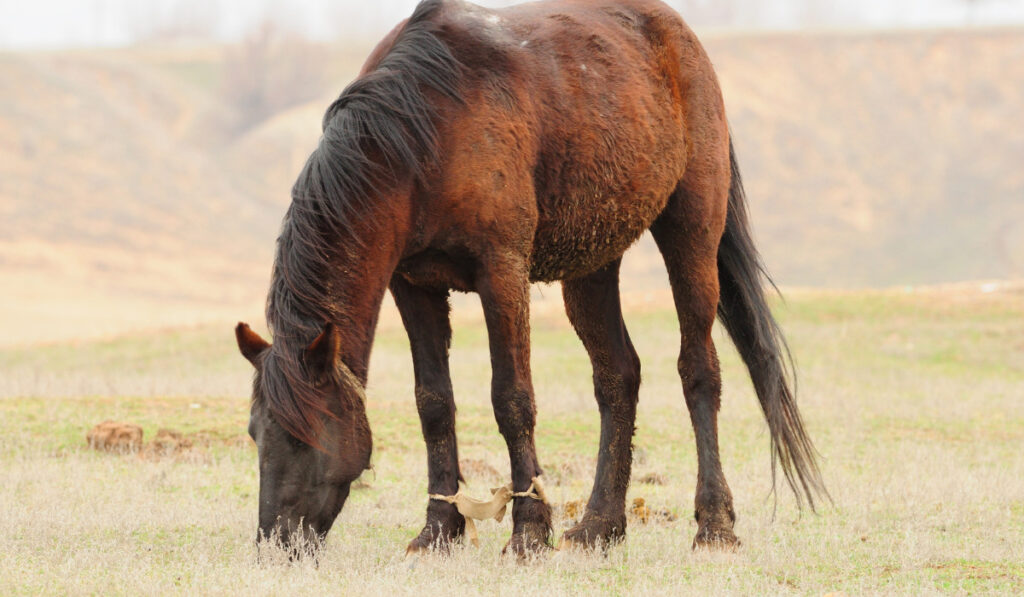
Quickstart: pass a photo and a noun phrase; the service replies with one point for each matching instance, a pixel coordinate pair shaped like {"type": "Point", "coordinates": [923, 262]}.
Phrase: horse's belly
{"type": "Point", "coordinates": [594, 203]}
{"type": "Point", "coordinates": [584, 234]}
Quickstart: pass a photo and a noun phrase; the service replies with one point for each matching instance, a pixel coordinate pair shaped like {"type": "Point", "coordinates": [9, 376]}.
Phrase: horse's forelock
{"type": "Point", "coordinates": [292, 397]}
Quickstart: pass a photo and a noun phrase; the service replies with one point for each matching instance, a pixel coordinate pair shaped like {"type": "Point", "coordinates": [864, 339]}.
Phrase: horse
{"type": "Point", "coordinates": [481, 151]}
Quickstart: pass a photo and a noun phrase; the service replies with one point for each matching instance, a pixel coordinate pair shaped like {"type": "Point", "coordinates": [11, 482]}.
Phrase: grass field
{"type": "Point", "coordinates": [914, 399]}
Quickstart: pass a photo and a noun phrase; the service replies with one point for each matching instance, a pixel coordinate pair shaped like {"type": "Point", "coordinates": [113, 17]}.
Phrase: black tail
{"type": "Point", "coordinates": [745, 313]}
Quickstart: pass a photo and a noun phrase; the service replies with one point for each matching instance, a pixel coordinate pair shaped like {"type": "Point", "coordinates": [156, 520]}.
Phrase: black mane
{"type": "Point", "coordinates": [379, 132]}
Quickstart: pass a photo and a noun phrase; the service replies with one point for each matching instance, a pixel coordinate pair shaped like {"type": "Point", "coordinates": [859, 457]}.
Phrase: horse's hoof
{"type": "Point", "coordinates": [594, 532]}
{"type": "Point", "coordinates": [529, 541]}
{"type": "Point", "coordinates": [437, 536]}
{"type": "Point", "coordinates": [716, 539]}
{"type": "Point", "coordinates": [419, 545]}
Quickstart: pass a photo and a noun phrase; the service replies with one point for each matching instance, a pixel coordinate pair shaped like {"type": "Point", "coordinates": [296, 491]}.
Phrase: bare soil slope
{"type": "Point", "coordinates": [130, 198]}
{"type": "Point", "coordinates": [113, 214]}
{"type": "Point", "coordinates": [879, 159]}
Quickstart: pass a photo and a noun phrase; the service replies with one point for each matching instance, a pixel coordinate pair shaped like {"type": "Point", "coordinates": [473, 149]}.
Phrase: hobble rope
{"type": "Point", "coordinates": [475, 509]}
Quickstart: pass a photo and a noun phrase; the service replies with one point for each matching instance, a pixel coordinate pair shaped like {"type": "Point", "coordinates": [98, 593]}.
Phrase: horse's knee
{"type": "Point", "coordinates": [618, 384]}
{"type": "Point", "coordinates": [437, 412]}
{"type": "Point", "coordinates": [514, 411]}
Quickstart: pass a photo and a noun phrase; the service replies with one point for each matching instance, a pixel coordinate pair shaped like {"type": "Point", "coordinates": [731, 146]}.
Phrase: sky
{"type": "Point", "coordinates": [73, 23]}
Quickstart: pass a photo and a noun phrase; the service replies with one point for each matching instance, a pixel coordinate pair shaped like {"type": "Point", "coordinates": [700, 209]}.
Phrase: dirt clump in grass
{"type": "Point", "coordinates": [638, 513]}
{"type": "Point", "coordinates": [112, 436]}
{"type": "Point", "coordinates": [169, 441]}
{"type": "Point", "coordinates": [653, 479]}
{"type": "Point", "coordinates": [474, 468]}
{"type": "Point", "coordinates": [127, 439]}
{"type": "Point", "coordinates": [642, 513]}
{"type": "Point", "coordinates": [573, 510]}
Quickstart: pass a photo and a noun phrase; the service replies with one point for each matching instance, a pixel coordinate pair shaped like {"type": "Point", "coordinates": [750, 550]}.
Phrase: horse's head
{"type": "Point", "coordinates": [309, 423]}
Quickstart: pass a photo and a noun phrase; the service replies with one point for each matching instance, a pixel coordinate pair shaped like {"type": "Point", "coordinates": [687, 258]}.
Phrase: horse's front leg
{"type": "Point", "coordinates": [504, 288]}
{"type": "Point", "coordinates": [425, 314]}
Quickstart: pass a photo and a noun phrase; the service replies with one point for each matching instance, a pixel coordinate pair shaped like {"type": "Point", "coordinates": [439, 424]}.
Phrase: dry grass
{"type": "Point", "coordinates": [914, 400]}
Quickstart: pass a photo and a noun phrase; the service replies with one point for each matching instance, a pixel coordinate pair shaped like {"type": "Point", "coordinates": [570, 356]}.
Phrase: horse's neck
{"type": "Point", "coordinates": [360, 278]}
{"type": "Point", "coordinates": [341, 276]}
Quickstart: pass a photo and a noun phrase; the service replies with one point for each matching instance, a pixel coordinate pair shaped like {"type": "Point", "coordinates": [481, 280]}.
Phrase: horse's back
{"type": "Point", "coordinates": [584, 107]}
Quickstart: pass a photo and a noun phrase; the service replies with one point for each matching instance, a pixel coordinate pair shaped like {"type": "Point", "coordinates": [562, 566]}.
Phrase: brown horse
{"type": "Point", "coordinates": [482, 150]}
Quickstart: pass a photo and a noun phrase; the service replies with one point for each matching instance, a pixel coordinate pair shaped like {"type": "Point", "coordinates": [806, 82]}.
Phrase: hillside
{"type": "Point", "coordinates": [881, 159]}
{"type": "Point", "coordinates": [109, 211]}
{"type": "Point", "coordinates": [130, 197]}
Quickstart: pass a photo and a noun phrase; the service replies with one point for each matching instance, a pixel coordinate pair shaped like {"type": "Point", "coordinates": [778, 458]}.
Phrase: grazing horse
{"type": "Point", "coordinates": [479, 151]}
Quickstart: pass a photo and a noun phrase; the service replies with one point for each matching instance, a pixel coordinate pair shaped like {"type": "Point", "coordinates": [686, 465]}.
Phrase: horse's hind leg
{"type": "Point", "coordinates": [688, 233]}
{"type": "Point", "coordinates": [426, 317]}
{"type": "Point", "coordinates": [592, 304]}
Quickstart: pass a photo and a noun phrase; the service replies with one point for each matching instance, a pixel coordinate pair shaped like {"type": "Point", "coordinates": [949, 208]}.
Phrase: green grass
{"type": "Point", "coordinates": [912, 398]}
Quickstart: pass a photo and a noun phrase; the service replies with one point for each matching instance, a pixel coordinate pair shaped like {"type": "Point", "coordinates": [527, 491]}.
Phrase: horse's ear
{"type": "Point", "coordinates": [322, 354]}
{"type": "Point", "coordinates": [249, 342]}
